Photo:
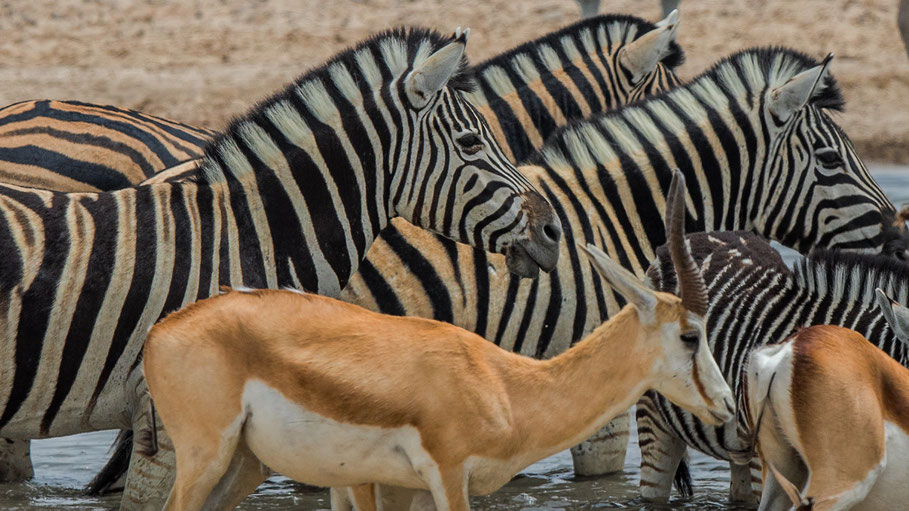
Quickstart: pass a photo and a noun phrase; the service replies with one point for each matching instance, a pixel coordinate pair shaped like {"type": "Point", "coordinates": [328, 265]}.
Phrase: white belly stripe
{"type": "Point", "coordinates": [311, 448]}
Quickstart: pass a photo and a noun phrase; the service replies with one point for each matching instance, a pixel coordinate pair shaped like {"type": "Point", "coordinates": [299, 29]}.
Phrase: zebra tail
{"type": "Point", "coordinates": [147, 438]}
{"type": "Point", "coordinates": [682, 479]}
{"type": "Point", "coordinates": [115, 468]}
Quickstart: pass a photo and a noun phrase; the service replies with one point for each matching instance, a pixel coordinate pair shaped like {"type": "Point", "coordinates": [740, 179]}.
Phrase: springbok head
{"type": "Point", "coordinates": [672, 327]}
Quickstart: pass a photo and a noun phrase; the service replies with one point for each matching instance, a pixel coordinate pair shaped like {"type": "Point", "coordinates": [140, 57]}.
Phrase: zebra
{"type": "Point", "coordinates": [759, 151]}
{"type": "Point", "coordinates": [754, 300]}
{"type": "Point", "coordinates": [524, 94]}
{"type": "Point", "coordinates": [291, 195]}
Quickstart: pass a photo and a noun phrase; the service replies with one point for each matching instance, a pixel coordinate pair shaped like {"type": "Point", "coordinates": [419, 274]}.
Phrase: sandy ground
{"type": "Point", "coordinates": [203, 62]}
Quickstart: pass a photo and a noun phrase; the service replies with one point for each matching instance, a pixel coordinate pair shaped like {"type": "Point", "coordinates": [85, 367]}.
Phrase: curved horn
{"type": "Point", "coordinates": [692, 289]}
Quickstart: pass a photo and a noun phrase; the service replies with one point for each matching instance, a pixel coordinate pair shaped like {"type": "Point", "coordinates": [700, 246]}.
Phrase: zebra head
{"type": "Point", "coordinates": [456, 180]}
{"type": "Point", "coordinates": [818, 191]}
{"type": "Point", "coordinates": [647, 62]}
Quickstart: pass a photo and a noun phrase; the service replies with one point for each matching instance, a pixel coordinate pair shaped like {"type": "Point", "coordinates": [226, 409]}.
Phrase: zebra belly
{"type": "Point", "coordinates": [112, 409]}
{"type": "Point", "coordinates": [308, 447]}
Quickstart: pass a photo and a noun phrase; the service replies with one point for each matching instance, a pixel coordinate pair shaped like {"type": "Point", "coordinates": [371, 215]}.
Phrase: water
{"type": "Point", "coordinates": [64, 465]}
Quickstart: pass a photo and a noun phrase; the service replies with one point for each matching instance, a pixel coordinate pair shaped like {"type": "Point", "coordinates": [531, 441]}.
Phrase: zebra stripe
{"type": "Point", "coordinates": [755, 300]}
{"type": "Point", "coordinates": [525, 94]}
{"type": "Point", "coordinates": [278, 203]}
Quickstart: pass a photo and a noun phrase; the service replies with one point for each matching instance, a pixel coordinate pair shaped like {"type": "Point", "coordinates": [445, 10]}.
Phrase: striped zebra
{"type": "Point", "coordinates": [759, 151]}
{"type": "Point", "coordinates": [756, 300]}
{"type": "Point", "coordinates": [525, 94]}
{"type": "Point", "coordinates": [292, 194]}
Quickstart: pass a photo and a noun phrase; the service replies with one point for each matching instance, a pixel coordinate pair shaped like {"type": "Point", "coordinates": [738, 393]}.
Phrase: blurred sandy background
{"type": "Point", "coordinates": [203, 62]}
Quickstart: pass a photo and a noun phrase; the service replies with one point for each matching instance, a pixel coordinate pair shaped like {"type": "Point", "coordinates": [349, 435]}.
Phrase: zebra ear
{"type": "Point", "coordinates": [622, 280]}
{"type": "Point", "coordinates": [640, 57]}
{"type": "Point", "coordinates": [793, 95]}
{"type": "Point", "coordinates": [431, 75]}
{"type": "Point", "coordinates": [896, 315]}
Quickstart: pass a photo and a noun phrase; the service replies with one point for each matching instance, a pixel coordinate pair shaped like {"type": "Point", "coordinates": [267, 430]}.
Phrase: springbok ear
{"type": "Point", "coordinates": [622, 280]}
{"type": "Point", "coordinates": [428, 78]}
{"type": "Point", "coordinates": [896, 315]}
{"type": "Point", "coordinates": [793, 95]}
{"type": "Point", "coordinates": [641, 56]}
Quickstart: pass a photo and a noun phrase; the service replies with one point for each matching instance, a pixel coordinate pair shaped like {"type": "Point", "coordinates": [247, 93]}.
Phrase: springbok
{"type": "Point", "coordinates": [830, 413]}
{"type": "Point", "coordinates": [331, 394]}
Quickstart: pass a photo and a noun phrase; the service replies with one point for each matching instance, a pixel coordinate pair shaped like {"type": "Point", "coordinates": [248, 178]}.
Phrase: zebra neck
{"type": "Point", "coordinates": [309, 234]}
{"type": "Point", "coordinates": [581, 389]}
{"type": "Point", "coordinates": [314, 197]}
{"type": "Point", "coordinates": [713, 138]}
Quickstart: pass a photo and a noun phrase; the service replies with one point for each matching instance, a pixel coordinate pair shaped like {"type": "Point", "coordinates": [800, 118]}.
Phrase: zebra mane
{"type": "Point", "coordinates": [776, 65]}
{"type": "Point", "coordinates": [737, 77]}
{"type": "Point", "coordinates": [602, 30]}
{"type": "Point", "coordinates": [852, 275]}
{"type": "Point", "coordinates": [378, 59]}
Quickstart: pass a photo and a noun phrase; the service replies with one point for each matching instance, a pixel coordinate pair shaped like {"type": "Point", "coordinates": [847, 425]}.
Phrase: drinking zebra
{"type": "Point", "coordinates": [525, 94]}
{"type": "Point", "coordinates": [292, 194]}
{"type": "Point", "coordinates": [756, 300]}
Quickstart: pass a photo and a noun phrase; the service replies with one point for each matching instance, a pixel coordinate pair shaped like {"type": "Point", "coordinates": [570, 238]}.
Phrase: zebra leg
{"type": "Point", "coordinates": [661, 453]}
{"type": "Point", "coordinates": [902, 21]}
{"type": "Point", "coordinates": [604, 452]}
{"type": "Point", "coordinates": [745, 482]}
{"type": "Point", "coordinates": [15, 461]}
{"type": "Point", "coordinates": [589, 7]}
{"type": "Point", "coordinates": [669, 5]}
{"type": "Point", "coordinates": [150, 477]}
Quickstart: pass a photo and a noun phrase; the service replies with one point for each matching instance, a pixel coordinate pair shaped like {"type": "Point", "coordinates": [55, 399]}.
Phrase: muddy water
{"type": "Point", "coordinates": [63, 465]}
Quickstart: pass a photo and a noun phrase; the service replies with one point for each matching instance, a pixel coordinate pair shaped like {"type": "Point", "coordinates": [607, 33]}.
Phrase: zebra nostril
{"type": "Point", "coordinates": [552, 233]}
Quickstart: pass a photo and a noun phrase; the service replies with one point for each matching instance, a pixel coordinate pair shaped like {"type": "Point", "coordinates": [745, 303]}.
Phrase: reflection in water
{"type": "Point", "coordinates": [63, 465]}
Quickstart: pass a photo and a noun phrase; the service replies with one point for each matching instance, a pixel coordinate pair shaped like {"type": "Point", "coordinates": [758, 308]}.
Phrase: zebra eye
{"type": "Point", "coordinates": [470, 143]}
{"type": "Point", "coordinates": [690, 339]}
{"type": "Point", "coordinates": [829, 158]}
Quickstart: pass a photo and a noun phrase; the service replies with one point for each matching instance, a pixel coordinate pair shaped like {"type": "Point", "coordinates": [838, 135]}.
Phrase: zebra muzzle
{"type": "Point", "coordinates": [539, 249]}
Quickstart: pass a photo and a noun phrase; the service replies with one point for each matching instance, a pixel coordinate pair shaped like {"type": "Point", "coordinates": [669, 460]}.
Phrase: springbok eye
{"type": "Point", "coordinates": [829, 157]}
{"type": "Point", "coordinates": [690, 339]}
{"type": "Point", "coordinates": [470, 143]}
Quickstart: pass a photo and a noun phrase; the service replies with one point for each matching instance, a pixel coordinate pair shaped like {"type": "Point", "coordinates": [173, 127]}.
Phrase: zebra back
{"type": "Point", "coordinates": [82, 147]}
{"type": "Point", "coordinates": [525, 94]}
